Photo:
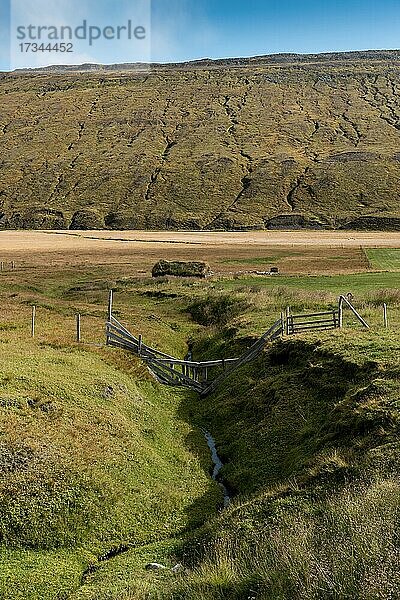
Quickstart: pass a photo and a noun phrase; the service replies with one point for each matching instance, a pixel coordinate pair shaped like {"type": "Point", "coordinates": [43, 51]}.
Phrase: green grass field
{"type": "Point", "coordinates": [358, 283]}
{"type": "Point", "coordinates": [386, 259]}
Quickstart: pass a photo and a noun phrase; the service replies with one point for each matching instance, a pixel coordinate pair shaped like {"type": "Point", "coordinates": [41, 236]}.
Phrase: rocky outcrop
{"type": "Point", "coordinates": [373, 223]}
{"type": "Point", "coordinates": [35, 218]}
{"type": "Point", "coordinates": [86, 220]}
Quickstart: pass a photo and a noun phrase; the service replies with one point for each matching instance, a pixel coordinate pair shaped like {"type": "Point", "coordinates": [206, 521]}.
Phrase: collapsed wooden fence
{"type": "Point", "coordinates": [168, 369]}
{"type": "Point", "coordinates": [205, 376]}
{"type": "Point", "coordinates": [174, 371]}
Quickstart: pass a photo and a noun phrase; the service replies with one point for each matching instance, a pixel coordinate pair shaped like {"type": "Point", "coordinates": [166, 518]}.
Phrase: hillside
{"type": "Point", "coordinates": [271, 142]}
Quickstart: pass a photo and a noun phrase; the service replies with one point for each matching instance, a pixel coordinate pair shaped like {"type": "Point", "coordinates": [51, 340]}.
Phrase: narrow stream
{"type": "Point", "coordinates": [217, 466]}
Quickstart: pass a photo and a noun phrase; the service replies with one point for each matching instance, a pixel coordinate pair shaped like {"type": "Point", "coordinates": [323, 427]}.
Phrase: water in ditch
{"type": "Point", "coordinates": [217, 466]}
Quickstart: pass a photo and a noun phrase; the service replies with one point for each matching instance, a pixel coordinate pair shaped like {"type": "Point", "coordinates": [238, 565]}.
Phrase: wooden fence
{"type": "Point", "coordinates": [168, 369]}
{"type": "Point", "coordinates": [205, 376]}
{"type": "Point", "coordinates": [343, 301]}
{"type": "Point", "coordinates": [174, 371]}
{"type": "Point", "coordinates": [311, 322]}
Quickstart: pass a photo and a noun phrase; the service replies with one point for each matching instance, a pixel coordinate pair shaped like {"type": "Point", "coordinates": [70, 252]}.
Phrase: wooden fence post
{"type": "Point", "coordinates": [33, 321]}
{"type": "Point", "coordinates": [340, 312]}
{"type": "Point", "coordinates": [140, 344]}
{"type": "Point", "coordinates": [283, 322]}
{"type": "Point", "coordinates": [385, 319]}
{"type": "Point", "coordinates": [110, 305]}
{"type": "Point", "coordinates": [359, 317]}
{"type": "Point", "coordinates": [287, 319]}
{"type": "Point", "coordinates": [78, 328]}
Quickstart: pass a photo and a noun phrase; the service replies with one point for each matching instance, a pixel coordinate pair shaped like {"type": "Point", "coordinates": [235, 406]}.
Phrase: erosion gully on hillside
{"type": "Point", "coordinates": [271, 143]}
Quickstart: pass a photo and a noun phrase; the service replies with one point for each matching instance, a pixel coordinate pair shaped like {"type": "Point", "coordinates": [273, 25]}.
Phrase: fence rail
{"type": "Point", "coordinates": [310, 315]}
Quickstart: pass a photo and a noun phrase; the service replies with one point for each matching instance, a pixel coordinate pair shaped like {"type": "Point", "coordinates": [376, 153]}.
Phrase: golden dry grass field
{"type": "Point", "coordinates": [133, 253]}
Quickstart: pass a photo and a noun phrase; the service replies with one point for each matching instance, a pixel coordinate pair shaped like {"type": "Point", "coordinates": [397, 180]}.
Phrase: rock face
{"type": "Point", "coordinates": [285, 141]}
{"type": "Point", "coordinates": [36, 218]}
{"type": "Point", "coordinates": [181, 269]}
{"type": "Point", "coordinates": [295, 222]}
{"type": "Point", "coordinates": [368, 223]}
{"type": "Point", "coordinates": [86, 220]}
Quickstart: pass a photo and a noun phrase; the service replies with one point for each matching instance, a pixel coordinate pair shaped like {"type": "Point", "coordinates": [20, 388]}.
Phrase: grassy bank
{"type": "Point", "coordinates": [93, 459]}
{"type": "Point", "coordinates": [309, 435]}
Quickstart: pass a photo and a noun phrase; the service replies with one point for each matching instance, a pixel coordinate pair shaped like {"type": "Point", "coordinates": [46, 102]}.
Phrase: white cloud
{"type": "Point", "coordinates": [48, 59]}
{"type": "Point", "coordinates": [72, 13]}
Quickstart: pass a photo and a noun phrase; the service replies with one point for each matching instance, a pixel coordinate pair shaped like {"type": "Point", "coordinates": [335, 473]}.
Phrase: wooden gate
{"type": "Point", "coordinates": [313, 321]}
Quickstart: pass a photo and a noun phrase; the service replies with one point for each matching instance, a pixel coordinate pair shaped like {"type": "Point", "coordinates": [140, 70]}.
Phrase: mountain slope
{"type": "Point", "coordinates": [291, 142]}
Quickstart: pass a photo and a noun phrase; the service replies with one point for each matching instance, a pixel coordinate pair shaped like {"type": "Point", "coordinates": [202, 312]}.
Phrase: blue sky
{"type": "Point", "coordinates": [190, 29]}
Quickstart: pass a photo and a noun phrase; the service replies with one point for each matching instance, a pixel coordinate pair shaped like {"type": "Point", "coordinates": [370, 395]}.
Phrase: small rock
{"type": "Point", "coordinates": [178, 568]}
{"type": "Point", "coordinates": [9, 403]}
{"type": "Point", "coordinates": [154, 567]}
{"type": "Point", "coordinates": [108, 391]}
{"type": "Point", "coordinates": [48, 407]}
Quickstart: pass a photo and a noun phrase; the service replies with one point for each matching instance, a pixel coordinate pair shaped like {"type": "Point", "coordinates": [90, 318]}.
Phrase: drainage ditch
{"type": "Point", "coordinates": [218, 464]}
